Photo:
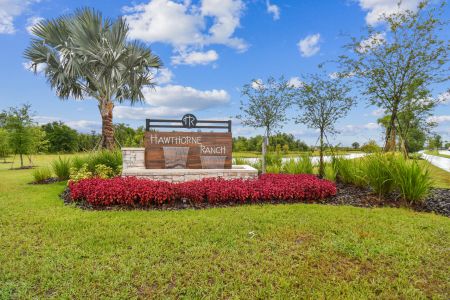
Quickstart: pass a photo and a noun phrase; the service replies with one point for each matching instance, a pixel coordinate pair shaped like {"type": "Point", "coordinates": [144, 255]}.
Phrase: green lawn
{"type": "Point", "coordinates": [49, 250]}
{"type": "Point", "coordinates": [441, 177]}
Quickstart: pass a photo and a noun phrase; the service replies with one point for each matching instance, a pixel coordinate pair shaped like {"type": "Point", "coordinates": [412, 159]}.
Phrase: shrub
{"type": "Point", "coordinates": [412, 182]}
{"type": "Point", "coordinates": [348, 170]}
{"type": "Point", "coordinates": [42, 174]}
{"type": "Point", "coordinates": [61, 168]}
{"type": "Point", "coordinates": [79, 174]}
{"type": "Point", "coordinates": [273, 169]}
{"type": "Point", "coordinates": [108, 158]}
{"type": "Point", "coordinates": [79, 161]}
{"type": "Point", "coordinates": [267, 188]}
{"type": "Point", "coordinates": [303, 165]}
{"type": "Point", "coordinates": [102, 171]}
{"type": "Point", "coordinates": [274, 159]}
{"type": "Point", "coordinates": [377, 169]}
{"type": "Point", "coordinates": [112, 159]}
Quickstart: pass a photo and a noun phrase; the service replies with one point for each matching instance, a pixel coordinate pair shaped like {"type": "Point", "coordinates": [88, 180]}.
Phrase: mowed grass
{"type": "Point", "coordinates": [441, 178]}
{"type": "Point", "coordinates": [49, 250]}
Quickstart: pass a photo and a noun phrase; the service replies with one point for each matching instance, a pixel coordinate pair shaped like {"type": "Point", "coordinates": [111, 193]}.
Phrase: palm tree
{"type": "Point", "coordinates": [86, 56]}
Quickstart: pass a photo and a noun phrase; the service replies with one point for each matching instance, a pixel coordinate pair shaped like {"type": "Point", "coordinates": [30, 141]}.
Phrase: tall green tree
{"type": "Point", "coordinates": [396, 68]}
{"type": "Point", "coordinates": [4, 146]}
{"type": "Point", "coordinates": [19, 124]}
{"type": "Point", "coordinates": [61, 138]}
{"type": "Point", "coordinates": [322, 101]}
{"type": "Point", "coordinates": [86, 56]}
{"type": "Point", "coordinates": [265, 107]}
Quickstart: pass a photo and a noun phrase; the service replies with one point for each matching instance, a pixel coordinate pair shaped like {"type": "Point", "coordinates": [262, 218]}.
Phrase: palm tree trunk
{"type": "Point", "coordinates": [106, 111]}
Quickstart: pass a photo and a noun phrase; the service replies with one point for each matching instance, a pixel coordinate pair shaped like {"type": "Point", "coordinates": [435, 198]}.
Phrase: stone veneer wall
{"type": "Point", "coordinates": [133, 158]}
{"type": "Point", "coordinates": [134, 165]}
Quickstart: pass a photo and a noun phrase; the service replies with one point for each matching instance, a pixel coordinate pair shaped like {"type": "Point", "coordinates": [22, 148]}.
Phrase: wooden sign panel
{"type": "Point", "coordinates": [188, 150]}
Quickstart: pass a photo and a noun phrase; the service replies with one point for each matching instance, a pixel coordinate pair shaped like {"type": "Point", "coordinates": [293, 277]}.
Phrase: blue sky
{"type": "Point", "coordinates": [210, 49]}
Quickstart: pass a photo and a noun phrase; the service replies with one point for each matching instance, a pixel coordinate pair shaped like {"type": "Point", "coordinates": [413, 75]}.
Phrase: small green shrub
{"type": "Point", "coordinates": [102, 171]}
{"type": "Point", "coordinates": [61, 168]}
{"type": "Point", "coordinates": [377, 171]}
{"type": "Point", "coordinates": [79, 161]}
{"type": "Point", "coordinates": [112, 159]}
{"type": "Point", "coordinates": [81, 173]}
{"type": "Point", "coordinates": [412, 182]}
{"type": "Point", "coordinates": [41, 174]}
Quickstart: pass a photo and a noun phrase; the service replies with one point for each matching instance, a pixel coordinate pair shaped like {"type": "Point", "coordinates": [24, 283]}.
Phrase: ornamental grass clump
{"type": "Point", "coordinates": [302, 165]}
{"type": "Point", "coordinates": [349, 171]}
{"type": "Point", "coordinates": [109, 158]}
{"type": "Point", "coordinates": [42, 174]}
{"type": "Point", "coordinates": [378, 174]}
{"type": "Point", "coordinates": [413, 182]}
{"type": "Point", "coordinates": [61, 168]}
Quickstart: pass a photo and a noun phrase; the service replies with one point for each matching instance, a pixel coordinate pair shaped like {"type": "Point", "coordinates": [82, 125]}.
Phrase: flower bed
{"type": "Point", "coordinates": [131, 191]}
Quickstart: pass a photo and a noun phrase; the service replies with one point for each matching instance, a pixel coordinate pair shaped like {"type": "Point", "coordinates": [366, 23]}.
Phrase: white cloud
{"type": "Point", "coordinates": [372, 42]}
{"type": "Point", "coordinates": [444, 98]}
{"type": "Point", "coordinates": [273, 9]}
{"type": "Point", "coordinates": [309, 46]}
{"type": "Point", "coordinates": [39, 68]}
{"type": "Point", "coordinates": [439, 119]}
{"type": "Point", "coordinates": [185, 97]}
{"type": "Point", "coordinates": [376, 8]}
{"type": "Point", "coordinates": [185, 25]}
{"type": "Point", "coordinates": [140, 113]}
{"type": "Point", "coordinates": [195, 58]}
{"type": "Point", "coordinates": [295, 82]}
{"type": "Point", "coordinates": [9, 9]}
{"type": "Point", "coordinates": [33, 21]}
{"type": "Point", "coordinates": [354, 129]}
{"type": "Point", "coordinates": [257, 83]}
{"type": "Point", "coordinates": [173, 100]}
{"type": "Point", "coordinates": [164, 76]}
{"type": "Point", "coordinates": [377, 112]}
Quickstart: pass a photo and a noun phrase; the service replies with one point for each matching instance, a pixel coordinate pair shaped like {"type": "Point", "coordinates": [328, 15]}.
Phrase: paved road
{"type": "Point", "coordinates": [314, 159]}
{"type": "Point", "coordinates": [440, 162]}
{"type": "Point", "coordinates": [446, 152]}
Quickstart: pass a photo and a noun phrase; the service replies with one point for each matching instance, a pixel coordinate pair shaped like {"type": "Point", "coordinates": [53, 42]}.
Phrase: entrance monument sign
{"type": "Point", "coordinates": [188, 150]}
{"type": "Point", "coordinates": [178, 156]}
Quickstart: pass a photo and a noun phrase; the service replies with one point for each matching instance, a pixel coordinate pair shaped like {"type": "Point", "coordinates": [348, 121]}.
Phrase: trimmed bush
{"type": "Point", "coordinates": [61, 168]}
{"type": "Point", "coordinates": [267, 188]}
{"type": "Point", "coordinates": [42, 174]}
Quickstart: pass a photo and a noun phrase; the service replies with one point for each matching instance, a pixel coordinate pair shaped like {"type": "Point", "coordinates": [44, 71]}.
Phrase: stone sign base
{"type": "Point", "coordinates": [134, 165]}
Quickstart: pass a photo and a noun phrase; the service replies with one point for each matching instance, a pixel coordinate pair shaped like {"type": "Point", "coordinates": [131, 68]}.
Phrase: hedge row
{"type": "Point", "coordinates": [134, 191]}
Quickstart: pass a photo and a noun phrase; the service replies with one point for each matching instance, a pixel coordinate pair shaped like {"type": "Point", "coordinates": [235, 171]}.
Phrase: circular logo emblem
{"type": "Point", "coordinates": [189, 121]}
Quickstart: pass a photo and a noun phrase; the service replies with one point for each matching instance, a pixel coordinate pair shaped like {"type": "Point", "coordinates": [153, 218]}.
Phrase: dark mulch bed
{"type": "Point", "coordinates": [46, 181]}
{"type": "Point", "coordinates": [438, 201]}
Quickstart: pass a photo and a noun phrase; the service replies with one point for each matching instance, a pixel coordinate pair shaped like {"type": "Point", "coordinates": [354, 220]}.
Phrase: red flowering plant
{"type": "Point", "coordinates": [133, 191]}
